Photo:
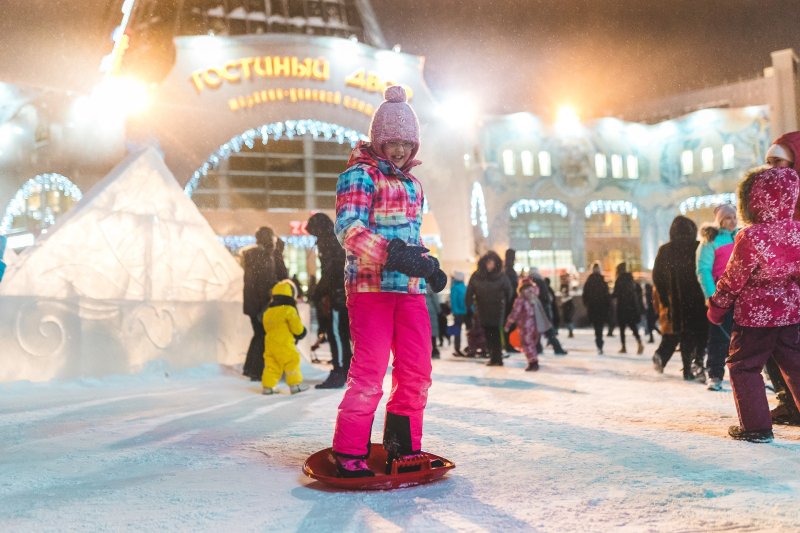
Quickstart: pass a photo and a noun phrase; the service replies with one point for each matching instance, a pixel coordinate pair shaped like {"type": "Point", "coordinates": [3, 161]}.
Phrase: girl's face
{"type": "Point", "coordinates": [728, 222]}
{"type": "Point", "coordinates": [490, 265]}
{"type": "Point", "coordinates": [778, 162]}
{"type": "Point", "coordinates": [398, 152]}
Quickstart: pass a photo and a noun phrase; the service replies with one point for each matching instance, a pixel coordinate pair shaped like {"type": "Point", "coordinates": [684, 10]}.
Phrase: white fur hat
{"type": "Point", "coordinates": [777, 150]}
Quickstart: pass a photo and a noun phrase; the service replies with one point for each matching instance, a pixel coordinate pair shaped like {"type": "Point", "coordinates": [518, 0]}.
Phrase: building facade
{"type": "Point", "coordinates": [569, 194]}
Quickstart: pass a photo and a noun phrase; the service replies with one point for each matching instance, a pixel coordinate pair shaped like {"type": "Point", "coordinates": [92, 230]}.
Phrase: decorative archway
{"type": "Point", "coordinates": [288, 129]}
{"type": "Point", "coordinates": [56, 194]}
{"type": "Point", "coordinates": [612, 234]}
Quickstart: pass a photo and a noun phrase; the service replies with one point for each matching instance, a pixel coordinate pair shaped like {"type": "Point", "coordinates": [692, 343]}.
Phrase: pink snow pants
{"type": "Point", "coordinates": [381, 322]}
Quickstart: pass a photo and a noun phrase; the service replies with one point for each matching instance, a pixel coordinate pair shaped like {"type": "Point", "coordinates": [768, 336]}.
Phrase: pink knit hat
{"type": "Point", "coordinates": [394, 120]}
{"type": "Point", "coordinates": [723, 210]}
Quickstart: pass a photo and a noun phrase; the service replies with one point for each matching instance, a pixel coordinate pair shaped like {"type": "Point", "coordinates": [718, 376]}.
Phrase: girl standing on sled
{"type": "Point", "coordinates": [378, 218]}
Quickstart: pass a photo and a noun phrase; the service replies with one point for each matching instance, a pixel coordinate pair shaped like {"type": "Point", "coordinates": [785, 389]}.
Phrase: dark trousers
{"type": "Point", "coordinates": [719, 341]}
{"type": "Point", "coordinates": [669, 342]}
{"type": "Point", "coordinates": [338, 334]}
{"type": "Point", "coordinates": [458, 321]}
{"type": "Point", "coordinates": [693, 347]}
{"type": "Point", "coordinates": [634, 329]}
{"type": "Point", "coordinates": [750, 349]}
{"type": "Point", "coordinates": [494, 342]}
{"type": "Point", "coordinates": [598, 332]}
{"type": "Point", "coordinates": [782, 392]}
{"type": "Point", "coordinates": [254, 362]}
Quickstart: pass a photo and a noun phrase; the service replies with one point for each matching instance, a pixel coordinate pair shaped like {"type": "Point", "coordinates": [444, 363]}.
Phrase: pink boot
{"type": "Point", "coordinates": [352, 467]}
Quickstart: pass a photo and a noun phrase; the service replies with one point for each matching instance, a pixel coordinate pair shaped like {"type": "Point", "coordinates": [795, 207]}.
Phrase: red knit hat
{"type": "Point", "coordinates": [394, 120]}
{"type": "Point", "coordinates": [790, 141]}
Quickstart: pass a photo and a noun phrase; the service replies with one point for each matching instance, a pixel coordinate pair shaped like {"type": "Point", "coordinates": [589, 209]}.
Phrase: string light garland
{"type": "Point", "coordinates": [619, 207]}
{"type": "Point", "coordinates": [35, 186]}
{"type": "Point", "coordinates": [288, 129]}
{"type": "Point", "coordinates": [547, 207]}
{"type": "Point", "coordinates": [478, 209]}
{"type": "Point", "coordinates": [694, 203]}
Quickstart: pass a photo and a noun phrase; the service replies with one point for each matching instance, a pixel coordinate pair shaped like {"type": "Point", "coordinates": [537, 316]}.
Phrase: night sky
{"type": "Point", "coordinates": [510, 55]}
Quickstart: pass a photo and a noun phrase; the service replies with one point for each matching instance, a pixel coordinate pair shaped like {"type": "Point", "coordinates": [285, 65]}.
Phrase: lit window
{"type": "Point", "coordinates": [616, 165]}
{"type": "Point", "coordinates": [687, 162]}
{"type": "Point", "coordinates": [544, 164]}
{"type": "Point", "coordinates": [707, 159]}
{"type": "Point", "coordinates": [527, 163]}
{"type": "Point", "coordinates": [633, 166]}
{"type": "Point", "coordinates": [508, 162]}
{"type": "Point", "coordinates": [728, 159]}
{"type": "Point", "coordinates": [600, 165]}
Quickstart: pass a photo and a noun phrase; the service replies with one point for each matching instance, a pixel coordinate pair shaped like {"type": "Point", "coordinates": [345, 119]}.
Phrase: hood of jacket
{"type": "Point", "coordinates": [364, 154]}
{"type": "Point", "coordinates": [769, 195]}
{"type": "Point", "coordinates": [791, 141]}
{"type": "Point", "coordinates": [284, 293]}
{"type": "Point", "coordinates": [482, 271]}
{"type": "Point", "coordinates": [682, 229]}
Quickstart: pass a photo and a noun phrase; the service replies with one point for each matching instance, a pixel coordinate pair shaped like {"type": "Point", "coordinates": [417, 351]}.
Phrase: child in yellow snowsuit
{"type": "Point", "coordinates": [283, 329]}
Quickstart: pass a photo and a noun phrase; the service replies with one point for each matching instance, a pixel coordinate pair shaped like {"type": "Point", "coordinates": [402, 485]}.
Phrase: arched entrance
{"type": "Point", "coordinates": [38, 204]}
{"type": "Point", "coordinates": [277, 174]}
{"type": "Point", "coordinates": [612, 234]}
{"type": "Point", "coordinates": [539, 230]}
{"type": "Point", "coordinates": [701, 208]}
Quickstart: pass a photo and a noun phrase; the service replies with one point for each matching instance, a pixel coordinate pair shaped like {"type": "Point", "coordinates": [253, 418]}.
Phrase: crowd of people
{"type": "Point", "coordinates": [731, 299]}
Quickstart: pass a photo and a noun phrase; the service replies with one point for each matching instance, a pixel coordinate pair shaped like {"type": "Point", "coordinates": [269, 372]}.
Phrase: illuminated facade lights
{"type": "Point", "coordinates": [710, 200]}
{"type": "Point", "coordinates": [36, 186]}
{"type": "Point", "coordinates": [548, 207]}
{"type": "Point", "coordinates": [277, 130]}
{"type": "Point", "coordinates": [618, 207]}
{"type": "Point", "coordinates": [478, 209]}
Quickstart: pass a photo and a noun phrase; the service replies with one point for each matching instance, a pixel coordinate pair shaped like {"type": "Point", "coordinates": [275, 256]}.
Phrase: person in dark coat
{"type": "Point", "coordinates": [490, 290]}
{"type": "Point", "coordinates": [596, 300]}
{"type": "Point", "coordinates": [651, 316]}
{"type": "Point", "coordinates": [513, 279]}
{"type": "Point", "coordinates": [259, 278]}
{"type": "Point", "coordinates": [330, 294]}
{"type": "Point", "coordinates": [281, 272]}
{"type": "Point", "coordinates": [567, 310]}
{"type": "Point", "coordinates": [547, 298]}
{"type": "Point", "coordinates": [554, 311]}
{"type": "Point", "coordinates": [629, 306]}
{"type": "Point", "coordinates": [675, 279]}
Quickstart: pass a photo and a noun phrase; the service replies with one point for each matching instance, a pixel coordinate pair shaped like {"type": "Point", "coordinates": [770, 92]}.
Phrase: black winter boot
{"type": "Point", "coordinates": [335, 380]}
{"type": "Point", "coordinates": [397, 442]}
{"type": "Point", "coordinates": [761, 436]}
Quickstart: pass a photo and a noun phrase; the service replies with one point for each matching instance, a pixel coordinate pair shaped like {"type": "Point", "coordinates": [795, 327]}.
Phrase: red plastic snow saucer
{"type": "Point", "coordinates": [322, 467]}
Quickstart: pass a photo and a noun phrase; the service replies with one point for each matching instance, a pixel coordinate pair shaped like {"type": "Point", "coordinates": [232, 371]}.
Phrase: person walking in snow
{"type": "Point", "coordinates": [567, 310]}
{"type": "Point", "coordinates": [530, 318]}
{"type": "Point", "coordinates": [513, 280]}
{"type": "Point", "coordinates": [669, 340]}
{"type": "Point", "coordinates": [650, 313]}
{"type": "Point", "coordinates": [330, 294]}
{"type": "Point", "coordinates": [458, 293]}
{"type": "Point", "coordinates": [283, 329]}
{"type": "Point", "coordinates": [596, 300]}
{"type": "Point", "coordinates": [712, 259]}
{"type": "Point", "coordinates": [259, 278]}
{"type": "Point", "coordinates": [629, 307]}
{"type": "Point", "coordinates": [760, 283]}
{"type": "Point", "coordinates": [547, 298]}
{"type": "Point", "coordinates": [378, 218]}
{"type": "Point", "coordinates": [675, 279]}
{"type": "Point", "coordinates": [784, 153]}
{"type": "Point", "coordinates": [489, 289]}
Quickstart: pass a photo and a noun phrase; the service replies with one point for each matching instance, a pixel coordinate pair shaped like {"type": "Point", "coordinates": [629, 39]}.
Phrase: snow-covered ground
{"type": "Point", "coordinates": [588, 443]}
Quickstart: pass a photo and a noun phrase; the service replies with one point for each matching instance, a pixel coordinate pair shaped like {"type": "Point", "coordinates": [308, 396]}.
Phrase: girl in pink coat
{"type": "Point", "coordinates": [761, 284]}
{"type": "Point", "coordinates": [531, 320]}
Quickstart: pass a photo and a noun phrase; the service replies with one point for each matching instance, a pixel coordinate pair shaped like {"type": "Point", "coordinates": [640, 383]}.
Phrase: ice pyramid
{"type": "Point", "coordinates": [131, 274]}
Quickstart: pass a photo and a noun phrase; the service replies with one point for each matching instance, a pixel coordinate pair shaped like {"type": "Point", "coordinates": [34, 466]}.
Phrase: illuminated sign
{"type": "Point", "coordinates": [250, 68]}
{"type": "Point", "coordinates": [247, 68]}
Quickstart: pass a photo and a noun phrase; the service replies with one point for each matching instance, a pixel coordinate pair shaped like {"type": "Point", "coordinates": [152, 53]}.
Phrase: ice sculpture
{"type": "Point", "coordinates": [131, 274]}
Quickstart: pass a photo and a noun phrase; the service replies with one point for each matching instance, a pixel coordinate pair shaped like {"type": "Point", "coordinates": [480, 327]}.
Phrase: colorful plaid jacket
{"type": "Point", "coordinates": [375, 203]}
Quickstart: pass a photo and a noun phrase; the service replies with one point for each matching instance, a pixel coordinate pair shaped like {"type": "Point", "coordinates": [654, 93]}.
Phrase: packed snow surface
{"type": "Point", "coordinates": [588, 443]}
